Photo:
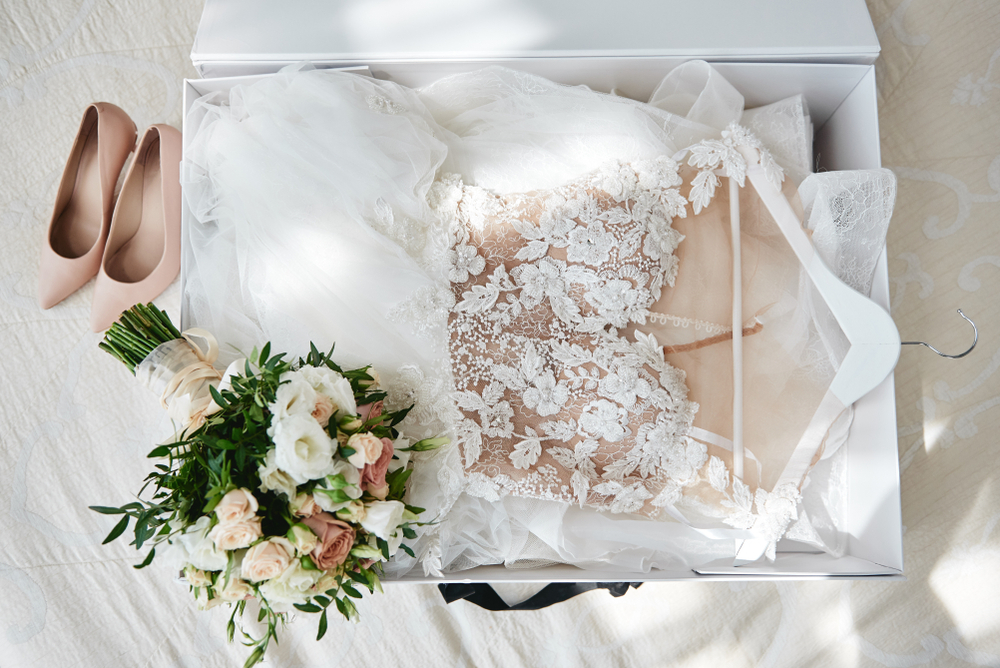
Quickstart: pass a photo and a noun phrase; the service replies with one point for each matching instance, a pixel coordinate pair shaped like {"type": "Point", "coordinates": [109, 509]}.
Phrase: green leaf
{"type": "Point", "coordinates": [351, 591]}
{"type": "Point", "coordinates": [407, 550]}
{"type": "Point", "coordinates": [217, 397]}
{"type": "Point", "coordinates": [359, 578]}
{"type": "Point", "coordinates": [265, 351]}
{"type": "Point", "coordinates": [384, 546]}
{"type": "Point", "coordinates": [161, 451]}
{"type": "Point", "coordinates": [107, 510]}
{"type": "Point", "coordinates": [307, 607]}
{"type": "Point", "coordinates": [409, 533]}
{"type": "Point", "coordinates": [322, 600]}
{"type": "Point", "coordinates": [117, 531]}
{"type": "Point", "coordinates": [335, 495]}
{"type": "Point", "coordinates": [322, 626]}
{"type": "Point", "coordinates": [147, 560]}
{"type": "Point", "coordinates": [342, 608]}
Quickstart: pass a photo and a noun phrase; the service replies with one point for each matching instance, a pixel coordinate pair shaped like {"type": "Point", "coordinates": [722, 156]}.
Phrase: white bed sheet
{"type": "Point", "coordinates": [75, 427]}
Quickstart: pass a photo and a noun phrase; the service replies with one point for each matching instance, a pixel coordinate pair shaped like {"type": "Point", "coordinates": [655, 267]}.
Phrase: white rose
{"type": "Point", "coordinates": [294, 585]}
{"type": "Point", "coordinates": [367, 449]}
{"type": "Point", "coordinates": [382, 517]}
{"type": "Point", "coordinates": [235, 535]}
{"type": "Point", "coordinates": [295, 396]}
{"type": "Point", "coordinates": [201, 550]}
{"type": "Point", "coordinates": [273, 479]}
{"type": "Point", "coordinates": [331, 384]}
{"type": "Point", "coordinates": [302, 449]}
{"type": "Point", "coordinates": [353, 488]}
{"type": "Point", "coordinates": [238, 505]}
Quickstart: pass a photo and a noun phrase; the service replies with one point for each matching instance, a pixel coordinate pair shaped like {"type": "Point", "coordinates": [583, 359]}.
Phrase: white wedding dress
{"type": "Point", "coordinates": [542, 270]}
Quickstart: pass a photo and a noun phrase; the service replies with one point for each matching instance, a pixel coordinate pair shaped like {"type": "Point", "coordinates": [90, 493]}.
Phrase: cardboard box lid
{"type": "Point", "coordinates": [367, 31]}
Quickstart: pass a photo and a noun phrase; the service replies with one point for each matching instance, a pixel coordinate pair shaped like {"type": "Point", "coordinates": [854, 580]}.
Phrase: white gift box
{"type": "Point", "coordinates": [823, 49]}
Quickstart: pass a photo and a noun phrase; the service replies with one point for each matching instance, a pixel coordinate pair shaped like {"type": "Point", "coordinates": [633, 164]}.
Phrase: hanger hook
{"type": "Point", "coordinates": [951, 357]}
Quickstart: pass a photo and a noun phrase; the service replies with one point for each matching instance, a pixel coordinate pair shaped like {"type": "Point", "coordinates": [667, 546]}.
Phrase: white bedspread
{"type": "Point", "coordinates": [75, 427]}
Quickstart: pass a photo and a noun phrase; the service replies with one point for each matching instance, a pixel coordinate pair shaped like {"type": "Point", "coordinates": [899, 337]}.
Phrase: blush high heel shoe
{"type": "Point", "coordinates": [78, 230]}
{"type": "Point", "coordinates": [143, 252]}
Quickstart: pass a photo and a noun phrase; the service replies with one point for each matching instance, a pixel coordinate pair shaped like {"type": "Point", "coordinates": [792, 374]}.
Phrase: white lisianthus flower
{"type": "Point", "coordinates": [352, 489]}
{"type": "Point", "coordinates": [382, 517]}
{"type": "Point", "coordinates": [201, 550]}
{"type": "Point", "coordinates": [273, 479]}
{"type": "Point", "coordinates": [331, 384]}
{"type": "Point", "coordinates": [395, 541]}
{"type": "Point", "coordinates": [295, 396]}
{"type": "Point", "coordinates": [293, 586]}
{"type": "Point", "coordinates": [400, 457]}
{"type": "Point", "coordinates": [302, 448]}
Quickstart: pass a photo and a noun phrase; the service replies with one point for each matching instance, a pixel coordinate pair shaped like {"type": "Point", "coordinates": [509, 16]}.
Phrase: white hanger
{"type": "Point", "coordinates": [875, 343]}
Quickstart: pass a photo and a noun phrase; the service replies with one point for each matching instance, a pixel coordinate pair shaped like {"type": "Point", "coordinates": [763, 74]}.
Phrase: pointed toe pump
{"type": "Point", "coordinates": [143, 252]}
{"type": "Point", "coordinates": [78, 230]}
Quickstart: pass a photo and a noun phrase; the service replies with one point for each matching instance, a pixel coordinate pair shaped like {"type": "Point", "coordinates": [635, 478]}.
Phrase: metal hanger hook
{"type": "Point", "coordinates": [951, 357]}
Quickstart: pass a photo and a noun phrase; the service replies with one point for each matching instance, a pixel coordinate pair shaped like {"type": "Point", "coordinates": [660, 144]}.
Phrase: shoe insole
{"type": "Point", "coordinates": [142, 211]}
{"type": "Point", "coordinates": [78, 225]}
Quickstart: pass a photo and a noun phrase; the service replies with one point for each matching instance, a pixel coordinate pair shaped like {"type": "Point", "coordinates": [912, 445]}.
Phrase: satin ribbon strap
{"type": "Point", "coordinates": [211, 351]}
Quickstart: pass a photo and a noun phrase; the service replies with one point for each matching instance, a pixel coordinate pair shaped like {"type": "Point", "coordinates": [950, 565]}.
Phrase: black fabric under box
{"type": "Point", "coordinates": [483, 595]}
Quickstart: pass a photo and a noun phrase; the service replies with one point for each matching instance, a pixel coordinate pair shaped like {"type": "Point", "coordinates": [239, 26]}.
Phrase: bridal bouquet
{"type": "Point", "coordinates": [284, 486]}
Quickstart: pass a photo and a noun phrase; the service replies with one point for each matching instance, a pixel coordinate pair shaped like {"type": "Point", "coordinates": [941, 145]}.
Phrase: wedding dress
{"type": "Point", "coordinates": [546, 272]}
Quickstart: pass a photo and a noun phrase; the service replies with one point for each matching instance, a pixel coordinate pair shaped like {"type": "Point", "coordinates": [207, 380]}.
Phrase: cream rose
{"type": "Point", "coordinates": [235, 535]}
{"type": "Point", "coordinates": [202, 600]}
{"type": "Point", "coordinates": [367, 449]}
{"type": "Point", "coordinates": [200, 549]}
{"type": "Point", "coordinates": [302, 449]}
{"type": "Point", "coordinates": [382, 517]}
{"type": "Point", "coordinates": [302, 538]}
{"type": "Point", "coordinates": [295, 396]}
{"type": "Point", "coordinates": [303, 505]}
{"type": "Point", "coordinates": [196, 577]}
{"type": "Point", "coordinates": [323, 410]}
{"type": "Point", "coordinates": [239, 505]}
{"type": "Point", "coordinates": [352, 512]}
{"type": "Point", "coordinates": [331, 384]}
{"type": "Point", "coordinates": [235, 590]}
{"type": "Point", "coordinates": [267, 559]}
{"type": "Point", "coordinates": [291, 586]}
{"type": "Point", "coordinates": [273, 479]}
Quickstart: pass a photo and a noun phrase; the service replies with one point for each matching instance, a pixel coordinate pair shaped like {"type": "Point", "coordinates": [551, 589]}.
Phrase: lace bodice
{"type": "Point", "coordinates": [555, 405]}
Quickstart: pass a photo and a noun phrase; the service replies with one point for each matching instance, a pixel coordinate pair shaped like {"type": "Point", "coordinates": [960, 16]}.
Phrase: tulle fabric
{"type": "Point", "coordinates": [309, 190]}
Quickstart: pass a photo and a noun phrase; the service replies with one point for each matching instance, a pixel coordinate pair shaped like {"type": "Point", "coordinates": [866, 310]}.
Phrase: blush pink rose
{"type": "Point", "coordinates": [336, 539]}
{"type": "Point", "coordinates": [373, 475]}
{"type": "Point", "coordinates": [267, 559]}
{"type": "Point", "coordinates": [369, 411]}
